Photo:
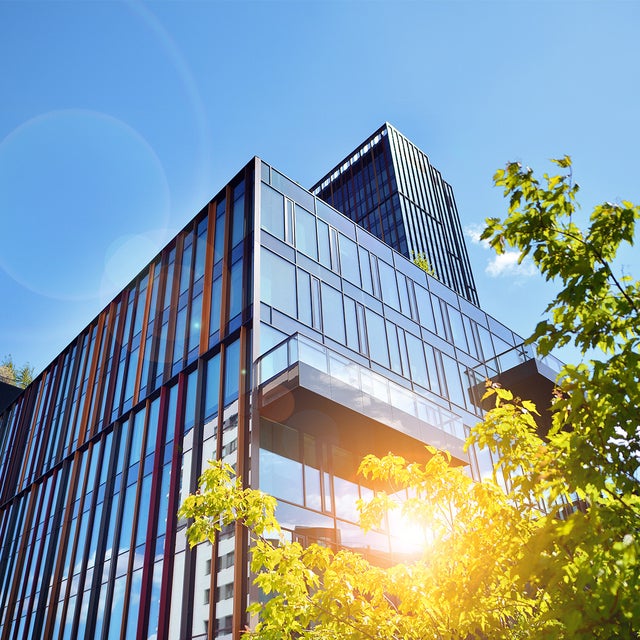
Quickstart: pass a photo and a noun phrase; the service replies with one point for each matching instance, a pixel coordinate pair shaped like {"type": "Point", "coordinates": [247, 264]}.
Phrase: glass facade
{"type": "Point", "coordinates": [389, 187]}
{"type": "Point", "coordinates": [98, 452]}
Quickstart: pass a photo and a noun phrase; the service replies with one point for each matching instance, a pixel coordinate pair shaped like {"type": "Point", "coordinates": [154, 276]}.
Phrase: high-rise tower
{"type": "Point", "coordinates": [388, 186]}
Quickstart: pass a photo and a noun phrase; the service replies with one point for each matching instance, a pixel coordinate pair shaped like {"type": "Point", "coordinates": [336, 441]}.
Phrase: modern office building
{"type": "Point", "coordinates": [272, 332]}
{"type": "Point", "coordinates": [389, 187]}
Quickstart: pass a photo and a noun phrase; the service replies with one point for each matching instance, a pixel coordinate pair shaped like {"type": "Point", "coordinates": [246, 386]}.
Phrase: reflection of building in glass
{"type": "Point", "coordinates": [272, 332]}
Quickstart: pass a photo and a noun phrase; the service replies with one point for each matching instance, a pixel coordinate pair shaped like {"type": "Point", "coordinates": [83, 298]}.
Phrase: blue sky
{"type": "Point", "coordinates": [120, 120]}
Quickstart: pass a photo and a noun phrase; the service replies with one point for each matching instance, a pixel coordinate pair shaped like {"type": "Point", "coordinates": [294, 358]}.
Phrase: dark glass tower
{"type": "Point", "coordinates": [388, 186]}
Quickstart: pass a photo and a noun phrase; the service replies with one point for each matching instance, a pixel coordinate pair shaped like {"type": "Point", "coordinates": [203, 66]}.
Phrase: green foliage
{"type": "Point", "coordinates": [460, 587]}
{"type": "Point", "coordinates": [421, 261]}
{"type": "Point", "coordinates": [20, 376]}
{"type": "Point", "coordinates": [548, 548]}
{"type": "Point", "coordinates": [586, 563]}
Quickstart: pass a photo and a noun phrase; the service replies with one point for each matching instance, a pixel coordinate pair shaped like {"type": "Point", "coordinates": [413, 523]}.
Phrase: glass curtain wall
{"type": "Point", "coordinates": [97, 454]}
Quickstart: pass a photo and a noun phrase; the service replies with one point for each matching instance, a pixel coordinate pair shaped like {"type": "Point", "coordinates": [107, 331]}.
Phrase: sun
{"type": "Point", "coordinates": [407, 535]}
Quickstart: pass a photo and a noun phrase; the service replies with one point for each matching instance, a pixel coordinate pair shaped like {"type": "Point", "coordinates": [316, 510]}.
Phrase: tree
{"type": "Point", "coordinates": [20, 376]}
{"type": "Point", "coordinates": [556, 553]}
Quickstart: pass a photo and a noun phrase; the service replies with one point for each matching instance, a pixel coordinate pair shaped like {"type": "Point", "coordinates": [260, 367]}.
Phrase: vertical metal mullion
{"type": "Point", "coordinates": [208, 279]}
{"type": "Point", "coordinates": [143, 332]}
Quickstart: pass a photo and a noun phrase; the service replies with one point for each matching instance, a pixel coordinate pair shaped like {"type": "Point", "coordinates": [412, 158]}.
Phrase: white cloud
{"type": "Point", "coordinates": [473, 232]}
{"type": "Point", "coordinates": [506, 264]}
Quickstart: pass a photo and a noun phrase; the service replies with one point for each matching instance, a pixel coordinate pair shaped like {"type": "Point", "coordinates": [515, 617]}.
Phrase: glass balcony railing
{"type": "Point", "coordinates": [519, 354]}
{"type": "Point", "coordinates": [300, 349]}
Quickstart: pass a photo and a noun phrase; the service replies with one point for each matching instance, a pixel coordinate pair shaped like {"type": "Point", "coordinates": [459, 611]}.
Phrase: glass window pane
{"type": "Point", "coordinates": [404, 297]}
{"type": "Point", "coordinates": [416, 360]}
{"type": "Point", "coordinates": [394, 351]}
{"type": "Point", "coordinates": [201, 250]}
{"type": "Point", "coordinates": [127, 517]}
{"type": "Point", "coordinates": [304, 297]}
{"type": "Point", "coordinates": [195, 323]}
{"type": "Point", "coordinates": [216, 302]}
{"type": "Point", "coordinates": [377, 338]}
{"type": "Point", "coordinates": [218, 248]}
{"type": "Point", "coordinates": [455, 320]}
{"type": "Point", "coordinates": [346, 495]}
{"type": "Point", "coordinates": [349, 266]}
{"type": "Point", "coordinates": [238, 229]}
{"type": "Point", "coordinates": [323, 244]}
{"type": "Point", "coordinates": [190, 401]}
{"type": "Point", "coordinates": [185, 272]}
{"type": "Point", "coordinates": [313, 494]}
{"type": "Point", "coordinates": [365, 270]}
{"type": "Point", "coordinates": [212, 388]}
{"type": "Point", "coordinates": [351, 322]}
{"type": "Point", "coordinates": [136, 437]}
{"type": "Point", "coordinates": [332, 313]}
{"type": "Point", "coordinates": [181, 327]}
{"type": "Point", "coordinates": [235, 293]}
{"type": "Point", "coordinates": [272, 211]}
{"type": "Point", "coordinates": [281, 477]}
{"type": "Point", "coordinates": [306, 232]}
{"type": "Point", "coordinates": [277, 277]}
{"type": "Point", "coordinates": [231, 372]}
{"type": "Point", "coordinates": [432, 368]}
{"type": "Point", "coordinates": [388, 284]}
{"type": "Point", "coordinates": [152, 428]}
{"type": "Point", "coordinates": [269, 337]}
{"type": "Point", "coordinates": [424, 308]}
{"type": "Point", "coordinates": [454, 386]}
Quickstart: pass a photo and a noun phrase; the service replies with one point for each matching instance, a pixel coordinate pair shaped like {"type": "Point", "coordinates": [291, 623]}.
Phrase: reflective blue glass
{"type": "Point", "coordinates": [190, 401]}
{"type": "Point", "coordinates": [272, 211]}
{"type": "Point", "coordinates": [231, 372]}
{"type": "Point", "coordinates": [306, 232]}
{"type": "Point", "coordinates": [212, 389]}
{"type": "Point", "coordinates": [332, 313]}
{"type": "Point", "coordinates": [274, 272]}
{"type": "Point", "coordinates": [235, 289]}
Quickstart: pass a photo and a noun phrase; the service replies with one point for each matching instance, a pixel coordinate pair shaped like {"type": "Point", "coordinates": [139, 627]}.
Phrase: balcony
{"type": "Point", "coordinates": [525, 373]}
{"type": "Point", "coordinates": [308, 385]}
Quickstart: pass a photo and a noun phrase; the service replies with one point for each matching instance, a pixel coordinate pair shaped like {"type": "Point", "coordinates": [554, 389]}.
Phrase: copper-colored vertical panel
{"type": "Point", "coordinates": [143, 332]}
{"type": "Point", "coordinates": [117, 331]}
{"type": "Point", "coordinates": [208, 279]}
{"type": "Point", "coordinates": [91, 366]}
{"type": "Point", "coordinates": [72, 403]}
{"type": "Point", "coordinates": [173, 315]}
{"type": "Point", "coordinates": [54, 369]}
{"type": "Point", "coordinates": [226, 263]}
{"type": "Point", "coordinates": [100, 364]}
